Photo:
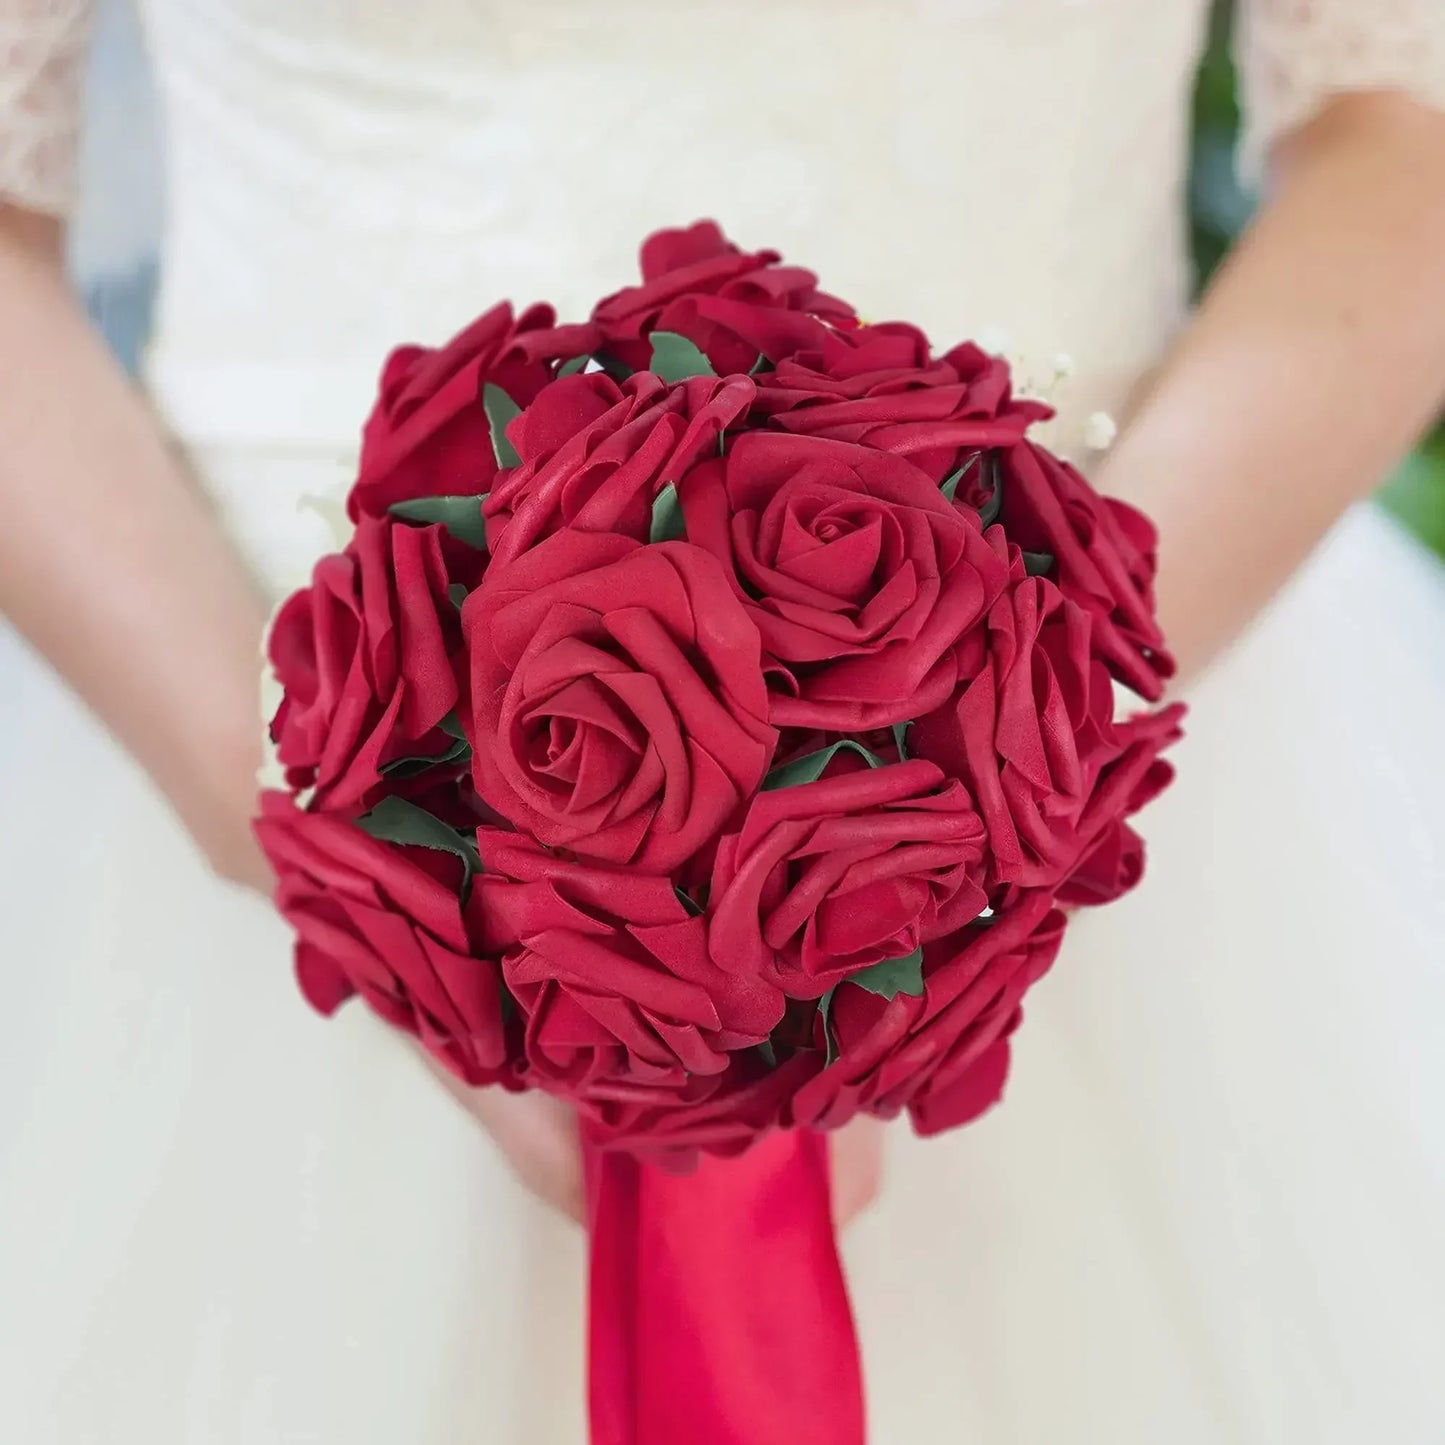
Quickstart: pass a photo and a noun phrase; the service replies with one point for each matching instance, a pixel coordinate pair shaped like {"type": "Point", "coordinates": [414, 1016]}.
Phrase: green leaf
{"type": "Point", "coordinates": [667, 523]}
{"type": "Point", "coordinates": [461, 516]}
{"type": "Point", "coordinates": [900, 740]}
{"type": "Point", "coordinates": [809, 769]}
{"type": "Point", "coordinates": [460, 748]}
{"type": "Point", "coordinates": [893, 976]}
{"type": "Point", "coordinates": [693, 907]}
{"type": "Point", "coordinates": [571, 368]}
{"type": "Point", "coordinates": [410, 767]}
{"type": "Point", "coordinates": [394, 820]}
{"type": "Point", "coordinates": [825, 1010]}
{"type": "Point", "coordinates": [949, 485]}
{"type": "Point", "coordinates": [769, 1053]}
{"type": "Point", "coordinates": [675, 358]}
{"type": "Point", "coordinates": [761, 365]}
{"type": "Point", "coordinates": [501, 409]}
{"type": "Point", "coordinates": [458, 593]}
{"type": "Point", "coordinates": [988, 513]}
{"type": "Point", "coordinates": [1037, 564]}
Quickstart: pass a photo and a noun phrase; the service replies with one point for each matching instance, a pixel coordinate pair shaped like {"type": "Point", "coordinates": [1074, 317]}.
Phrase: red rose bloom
{"type": "Point", "coordinates": [944, 1055]}
{"type": "Point", "coordinates": [1104, 559]}
{"type": "Point", "coordinates": [1034, 739]}
{"type": "Point", "coordinates": [722, 1114]}
{"type": "Point", "coordinates": [612, 974]}
{"type": "Point", "coordinates": [772, 683]}
{"type": "Point", "coordinates": [594, 454]}
{"type": "Point", "coordinates": [428, 434]}
{"type": "Point", "coordinates": [364, 654]}
{"type": "Point", "coordinates": [382, 921]}
{"type": "Point", "coordinates": [618, 703]}
{"type": "Point", "coordinates": [878, 387]}
{"type": "Point", "coordinates": [831, 877]}
{"type": "Point", "coordinates": [860, 576]}
{"type": "Point", "coordinates": [734, 305]}
{"type": "Point", "coordinates": [1115, 864]}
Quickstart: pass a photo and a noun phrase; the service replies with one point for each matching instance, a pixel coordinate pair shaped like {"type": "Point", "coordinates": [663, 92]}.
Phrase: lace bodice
{"type": "Point", "coordinates": [42, 59]}
{"type": "Point", "coordinates": [1295, 54]}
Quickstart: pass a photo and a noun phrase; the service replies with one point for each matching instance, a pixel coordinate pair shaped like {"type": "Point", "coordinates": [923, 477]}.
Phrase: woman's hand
{"type": "Point", "coordinates": [537, 1134]}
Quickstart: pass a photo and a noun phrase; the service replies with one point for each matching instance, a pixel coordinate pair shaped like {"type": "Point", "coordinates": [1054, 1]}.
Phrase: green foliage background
{"type": "Point", "coordinates": [1219, 208]}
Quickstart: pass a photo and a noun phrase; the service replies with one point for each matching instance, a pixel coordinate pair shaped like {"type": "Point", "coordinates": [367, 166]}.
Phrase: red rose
{"type": "Point", "coordinates": [618, 703]}
{"type": "Point", "coordinates": [384, 921]}
{"type": "Point", "coordinates": [860, 576]}
{"type": "Point", "coordinates": [734, 305]}
{"type": "Point", "coordinates": [428, 434]}
{"type": "Point", "coordinates": [878, 387]}
{"type": "Point", "coordinates": [827, 878]}
{"type": "Point", "coordinates": [594, 454]}
{"type": "Point", "coordinates": [1104, 559]}
{"type": "Point", "coordinates": [1115, 864]}
{"type": "Point", "coordinates": [364, 654]}
{"type": "Point", "coordinates": [943, 1055]}
{"type": "Point", "coordinates": [722, 1114]}
{"type": "Point", "coordinates": [1033, 737]}
{"type": "Point", "coordinates": [612, 974]}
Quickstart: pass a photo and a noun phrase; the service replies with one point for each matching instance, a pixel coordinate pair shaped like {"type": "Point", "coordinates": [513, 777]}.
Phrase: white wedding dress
{"type": "Point", "coordinates": [1213, 1207]}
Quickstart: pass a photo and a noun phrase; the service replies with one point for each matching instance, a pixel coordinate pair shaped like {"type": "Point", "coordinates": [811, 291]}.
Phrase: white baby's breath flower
{"type": "Point", "coordinates": [1099, 432]}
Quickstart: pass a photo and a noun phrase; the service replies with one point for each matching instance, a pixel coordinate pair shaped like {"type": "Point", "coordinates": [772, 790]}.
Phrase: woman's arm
{"type": "Point", "coordinates": [1315, 361]}
{"type": "Point", "coordinates": [111, 563]}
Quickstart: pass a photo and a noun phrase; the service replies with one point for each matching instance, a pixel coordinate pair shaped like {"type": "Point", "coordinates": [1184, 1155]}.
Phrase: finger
{"type": "Point", "coordinates": [536, 1134]}
{"type": "Point", "coordinates": [856, 1156]}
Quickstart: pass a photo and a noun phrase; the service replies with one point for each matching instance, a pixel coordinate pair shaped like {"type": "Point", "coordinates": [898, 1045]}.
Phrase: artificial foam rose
{"type": "Point", "coordinates": [879, 387]}
{"type": "Point", "coordinates": [859, 574]}
{"type": "Point", "coordinates": [1034, 739]}
{"type": "Point", "coordinates": [827, 878]}
{"type": "Point", "coordinates": [1114, 864]}
{"type": "Point", "coordinates": [618, 707]}
{"type": "Point", "coordinates": [383, 921]}
{"type": "Point", "coordinates": [734, 305]}
{"type": "Point", "coordinates": [365, 656]}
{"type": "Point", "coordinates": [720, 1114]}
{"type": "Point", "coordinates": [594, 453]}
{"type": "Point", "coordinates": [428, 434]}
{"type": "Point", "coordinates": [611, 973]}
{"type": "Point", "coordinates": [944, 1055]}
{"type": "Point", "coordinates": [1104, 559]}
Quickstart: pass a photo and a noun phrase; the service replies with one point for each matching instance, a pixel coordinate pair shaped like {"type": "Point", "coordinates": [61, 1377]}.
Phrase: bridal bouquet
{"type": "Point", "coordinates": [710, 719]}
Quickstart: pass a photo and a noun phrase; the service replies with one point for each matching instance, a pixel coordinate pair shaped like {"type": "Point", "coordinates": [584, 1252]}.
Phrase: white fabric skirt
{"type": "Point", "coordinates": [1208, 1211]}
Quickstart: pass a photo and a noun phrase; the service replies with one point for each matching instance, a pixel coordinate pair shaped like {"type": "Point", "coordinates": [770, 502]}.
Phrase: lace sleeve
{"type": "Point", "coordinates": [43, 46]}
{"type": "Point", "coordinates": [1295, 54]}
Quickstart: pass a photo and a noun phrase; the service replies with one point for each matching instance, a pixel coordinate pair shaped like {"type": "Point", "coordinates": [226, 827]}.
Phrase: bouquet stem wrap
{"type": "Point", "coordinates": [719, 1313]}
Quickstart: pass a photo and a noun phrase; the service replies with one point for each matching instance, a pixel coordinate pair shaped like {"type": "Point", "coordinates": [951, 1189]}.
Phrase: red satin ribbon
{"type": "Point", "coordinates": [719, 1315]}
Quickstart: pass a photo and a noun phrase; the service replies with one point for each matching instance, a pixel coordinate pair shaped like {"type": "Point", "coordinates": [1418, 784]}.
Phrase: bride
{"type": "Point", "coordinates": [1210, 1210]}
